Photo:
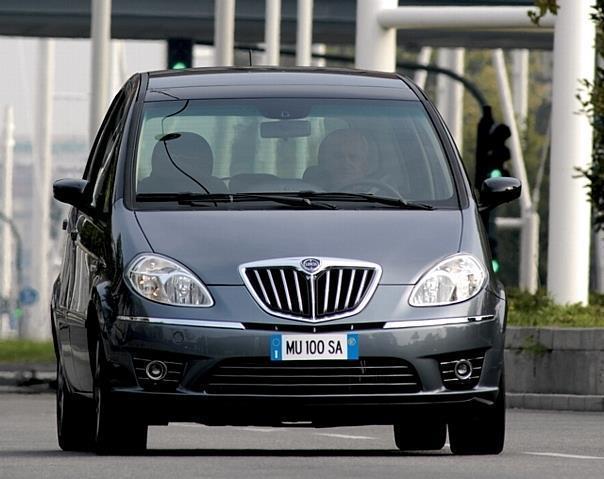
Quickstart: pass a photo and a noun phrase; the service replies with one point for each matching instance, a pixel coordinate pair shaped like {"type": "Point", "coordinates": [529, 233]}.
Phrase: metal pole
{"type": "Point", "coordinates": [449, 96]}
{"type": "Point", "coordinates": [6, 260]}
{"type": "Point", "coordinates": [272, 31]}
{"type": "Point", "coordinates": [100, 35]}
{"type": "Point", "coordinates": [520, 72]}
{"type": "Point", "coordinates": [569, 210]}
{"type": "Point", "coordinates": [529, 244]}
{"type": "Point", "coordinates": [423, 58]}
{"type": "Point", "coordinates": [459, 17]}
{"type": "Point", "coordinates": [375, 46]}
{"type": "Point", "coordinates": [304, 33]}
{"type": "Point", "coordinates": [224, 32]}
{"type": "Point", "coordinates": [37, 325]}
{"type": "Point", "coordinates": [599, 250]}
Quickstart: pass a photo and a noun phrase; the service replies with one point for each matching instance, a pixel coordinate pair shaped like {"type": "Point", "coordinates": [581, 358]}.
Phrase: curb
{"type": "Point", "coordinates": [556, 402]}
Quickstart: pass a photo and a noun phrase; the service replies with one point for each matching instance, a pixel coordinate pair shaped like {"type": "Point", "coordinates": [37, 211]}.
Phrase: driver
{"type": "Point", "coordinates": [344, 156]}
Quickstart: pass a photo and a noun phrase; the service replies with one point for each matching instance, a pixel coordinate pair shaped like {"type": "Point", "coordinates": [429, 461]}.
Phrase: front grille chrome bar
{"type": "Point", "coordinates": [331, 288]}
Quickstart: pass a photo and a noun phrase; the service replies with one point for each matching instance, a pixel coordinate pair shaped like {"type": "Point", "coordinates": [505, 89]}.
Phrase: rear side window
{"type": "Point", "coordinates": [280, 144]}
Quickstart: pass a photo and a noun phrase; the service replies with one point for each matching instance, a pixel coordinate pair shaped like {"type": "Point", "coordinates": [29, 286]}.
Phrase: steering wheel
{"type": "Point", "coordinates": [376, 186]}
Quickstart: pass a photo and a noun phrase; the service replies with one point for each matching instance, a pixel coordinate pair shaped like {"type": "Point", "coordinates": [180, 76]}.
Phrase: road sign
{"type": "Point", "coordinates": [28, 296]}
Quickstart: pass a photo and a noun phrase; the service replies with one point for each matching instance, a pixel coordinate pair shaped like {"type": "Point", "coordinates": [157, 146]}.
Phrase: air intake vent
{"type": "Point", "coordinates": [333, 289]}
{"type": "Point", "coordinates": [262, 377]}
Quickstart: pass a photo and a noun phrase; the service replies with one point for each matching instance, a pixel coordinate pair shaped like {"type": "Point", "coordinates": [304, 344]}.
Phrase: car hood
{"type": "Point", "coordinates": [214, 243]}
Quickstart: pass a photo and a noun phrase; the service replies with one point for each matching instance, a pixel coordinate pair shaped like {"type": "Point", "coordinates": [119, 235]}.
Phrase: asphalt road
{"type": "Point", "coordinates": [539, 445]}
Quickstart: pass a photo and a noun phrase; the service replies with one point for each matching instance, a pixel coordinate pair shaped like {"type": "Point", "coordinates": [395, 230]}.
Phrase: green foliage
{"type": "Point", "coordinates": [592, 99]}
{"type": "Point", "coordinates": [18, 351]}
{"type": "Point", "coordinates": [543, 6]}
{"type": "Point", "coordinates": [539, 310]}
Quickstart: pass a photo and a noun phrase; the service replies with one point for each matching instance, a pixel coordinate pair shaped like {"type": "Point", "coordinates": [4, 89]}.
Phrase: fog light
{"type": "Point", "coordinates": [463, 369]}
{"type": "Point", "coordinates": [156, 370]}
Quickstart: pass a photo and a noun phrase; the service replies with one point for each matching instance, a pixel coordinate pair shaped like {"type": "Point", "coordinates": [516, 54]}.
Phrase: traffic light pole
{"type": "Point", "coordinates": [529, 236]}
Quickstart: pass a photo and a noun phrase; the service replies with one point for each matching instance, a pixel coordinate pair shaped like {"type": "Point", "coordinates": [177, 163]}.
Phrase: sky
{"type": "Point", "coordinates": [19, 55]}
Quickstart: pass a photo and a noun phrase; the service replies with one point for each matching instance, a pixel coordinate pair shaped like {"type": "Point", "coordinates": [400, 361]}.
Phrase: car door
{"type": "Point", "coordinates": [88, 232]}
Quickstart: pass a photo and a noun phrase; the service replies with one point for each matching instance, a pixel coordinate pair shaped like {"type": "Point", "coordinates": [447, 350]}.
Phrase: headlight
{"type": "Point", "coordinates": [165, 281]}
{"type": "Point", "coordinates": [453, 280]}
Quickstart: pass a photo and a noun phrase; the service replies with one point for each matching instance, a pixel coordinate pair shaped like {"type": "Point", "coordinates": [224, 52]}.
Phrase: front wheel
{"type": "Point", "coordinates": [482, 431]}
{"type": "Point", "coordinates": [75, 417]}
{"type": "Point", "coordinates": [116, 432]}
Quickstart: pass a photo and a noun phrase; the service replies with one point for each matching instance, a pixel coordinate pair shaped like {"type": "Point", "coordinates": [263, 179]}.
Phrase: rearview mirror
{"type": "Point", "coordinates": [70, 191]}
{"type": "Point", "coordinates": [285, 129]}
{"type": "Point", "coordinates": [496, 191]}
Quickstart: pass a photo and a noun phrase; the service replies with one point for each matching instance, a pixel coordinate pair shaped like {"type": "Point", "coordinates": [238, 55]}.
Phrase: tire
{"type": "Point", "coordinates": [482, 431]}
{"type": "Point", "coordinates": [75, 418]}
{"type": "Point", "coordinates": [115, 431]}
{"type": "Point", "coordinates": [421, 435]}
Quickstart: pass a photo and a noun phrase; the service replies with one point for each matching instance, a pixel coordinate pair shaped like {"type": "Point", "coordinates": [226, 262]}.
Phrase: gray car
{"type": "Point", "coordinates": [253, 246]}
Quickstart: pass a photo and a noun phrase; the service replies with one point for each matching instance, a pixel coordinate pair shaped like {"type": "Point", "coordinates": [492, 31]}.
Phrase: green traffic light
{"type": "Point", "coordinates": [18, 313]}
{"type": "Point", "coordinates": [179, 66]}
{"type": "Point", "coordinates": [495, 265]}
{"type": "Point", "coordinates": [496, 173]}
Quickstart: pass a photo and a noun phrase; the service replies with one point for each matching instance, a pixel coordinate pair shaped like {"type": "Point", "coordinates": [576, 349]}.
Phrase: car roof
{"type": "Point", "coordinates": [256, 82]}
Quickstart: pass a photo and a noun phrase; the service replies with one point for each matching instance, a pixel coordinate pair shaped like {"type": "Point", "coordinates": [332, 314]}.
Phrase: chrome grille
{"type": "Point", "coordinates": [283, 288]}
{"type": "Point", "coordinates": [262, 377]}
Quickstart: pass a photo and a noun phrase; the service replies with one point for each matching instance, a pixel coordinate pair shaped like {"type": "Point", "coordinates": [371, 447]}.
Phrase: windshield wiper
{"type": "Point", "coordinates": [385, 200]}
{"type": "Point", "coordinates": [200, 198]}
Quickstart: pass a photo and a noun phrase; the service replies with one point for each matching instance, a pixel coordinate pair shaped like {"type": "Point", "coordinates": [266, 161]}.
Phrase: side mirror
{"type": "Point", "coordinates": [70, 191]}
{"type": "Point", "coordinates": [496, 191]}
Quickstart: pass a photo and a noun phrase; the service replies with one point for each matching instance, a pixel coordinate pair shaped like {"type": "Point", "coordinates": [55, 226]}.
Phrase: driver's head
{"type": "Point", "coordinates": [345, 156]}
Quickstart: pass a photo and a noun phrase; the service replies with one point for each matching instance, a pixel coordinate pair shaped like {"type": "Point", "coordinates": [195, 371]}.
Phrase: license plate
{"type": "Point", "coordinates": [289, 347]}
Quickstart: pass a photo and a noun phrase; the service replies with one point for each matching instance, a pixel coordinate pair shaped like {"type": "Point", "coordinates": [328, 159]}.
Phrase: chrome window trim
{"type": "Point", "coordinates": [183, 322]}
{"type": "Point", "coordinates": [418, 323]}
{"type": "Point", "coordinates": [325, 262]}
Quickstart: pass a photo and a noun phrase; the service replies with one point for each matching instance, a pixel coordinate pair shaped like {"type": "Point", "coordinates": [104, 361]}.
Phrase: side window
{"type": "Point", "coordinates": [106, 147]}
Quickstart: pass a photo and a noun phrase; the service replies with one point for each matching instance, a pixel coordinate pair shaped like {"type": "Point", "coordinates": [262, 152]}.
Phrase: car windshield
{"type": "Point", "coordinates": [316, 148]}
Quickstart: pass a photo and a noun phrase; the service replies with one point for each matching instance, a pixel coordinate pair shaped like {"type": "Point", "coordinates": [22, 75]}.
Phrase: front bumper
{"type": "Point", "coordinates": [201, 349]}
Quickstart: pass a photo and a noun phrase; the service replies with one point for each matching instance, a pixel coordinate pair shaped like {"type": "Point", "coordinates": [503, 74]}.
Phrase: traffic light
{"type": "Point", "coordinates": [180, 53]}
{"type": "Point", "coordinates": [491, 150]}
{"type": "Point", "coordinates": [491, 156]}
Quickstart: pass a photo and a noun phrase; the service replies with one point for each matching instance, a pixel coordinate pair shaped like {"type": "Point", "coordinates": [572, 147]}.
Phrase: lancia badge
{"type": "Point", "coordinates": [310, 265]}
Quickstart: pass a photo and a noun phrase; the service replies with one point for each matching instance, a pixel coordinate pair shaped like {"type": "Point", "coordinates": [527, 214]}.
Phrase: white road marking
{"type": "Point", "coordinates": [343, 436]}
{"type": "Point", "coordinates": [566, 456]}
{"type": "Point", "coordinates": [259, 429]}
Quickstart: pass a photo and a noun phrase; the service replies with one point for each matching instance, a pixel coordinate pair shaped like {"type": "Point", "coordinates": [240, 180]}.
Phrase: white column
{"type": "Point", "coordinates": [100, 35]}
{"type": "Point", "coordinates": [375, 46]}
{"type": "Point", "coordinates": [529, 236]}
{"type": "Point", "coordinates": [118, 66]}
{"type": "Point", "coordinates": [520, 72]}
{"type": "Point", "coordinates": [272, 31]}
{"type": "Point", "coordinates": [224, 32]}
{"type": "Point", "coordinates": [569, 210]}
{"type": "Point", "coordinates": [7, 254]}
{"type": "Point", "coordinates": [423, 58]}
{"type": "Point", "coordinates": [37, 325]}
{"type": "Point", "coordinates": [304, 33]}
{"type": "Point", "coordinates": [449, 93]}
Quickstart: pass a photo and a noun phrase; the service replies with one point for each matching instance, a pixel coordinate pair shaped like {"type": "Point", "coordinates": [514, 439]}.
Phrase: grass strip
{"type": "Point", "coordinates": [538, 310]}
{"type": "Point", "coordinates": [21, 351]}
